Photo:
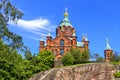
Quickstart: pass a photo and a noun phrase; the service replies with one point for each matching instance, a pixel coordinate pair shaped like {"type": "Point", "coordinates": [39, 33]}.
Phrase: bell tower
{"type": "Point", "coordinates": [48, 40]}
{"type": "Point", "coordinates": [74, 43]}
{"type": "Point", "coordinates": [108, 52]}
{"type": "Point", "coordinates": [86, 42]}
{"type": "Point", "coordinates": [42, 44]}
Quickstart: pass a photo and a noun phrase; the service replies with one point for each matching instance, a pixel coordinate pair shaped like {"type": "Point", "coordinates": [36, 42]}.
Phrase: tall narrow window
{"type": "Point", "coordinates": [61, 51]}
{"type": "Point", "coordinates": [68, 31]}
{"type": "Point", "coordinates": [61, 42]}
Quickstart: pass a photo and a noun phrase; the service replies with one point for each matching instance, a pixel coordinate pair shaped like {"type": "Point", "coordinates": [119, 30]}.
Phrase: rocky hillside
{"type": "Point", "coordinates": [96, 71]}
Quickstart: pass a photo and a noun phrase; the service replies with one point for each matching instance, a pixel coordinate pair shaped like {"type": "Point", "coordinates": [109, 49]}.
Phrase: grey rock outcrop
{"type": "Point", "coordinates": [96, 71]}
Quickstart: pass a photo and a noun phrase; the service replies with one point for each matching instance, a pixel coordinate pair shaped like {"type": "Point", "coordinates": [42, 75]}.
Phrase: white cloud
{"type": "Point", "coordinates": [33, 24]}
{"type": "Point", "coordinates": [38, 26]}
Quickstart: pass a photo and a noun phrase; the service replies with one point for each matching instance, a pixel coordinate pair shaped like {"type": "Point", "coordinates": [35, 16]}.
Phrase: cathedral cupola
{"type": "Point", "coordinates": [65, 22]}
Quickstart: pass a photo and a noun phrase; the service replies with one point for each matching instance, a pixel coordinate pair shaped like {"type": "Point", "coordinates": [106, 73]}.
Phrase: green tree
{"type": "Point", "coordinates": [9, 12]}
{"type": "Point", "coordinates": [98, 58]}
{"type": "Point", "coordinates": [67, 59]}
{"type": "Point", "coordinates": [28, 55]}
{"type": "Point", "coordinates": [12, 65]}
{"type": "Point", "coordinates": [84, 56]}
{"type": "Point", "coordinates": [116, 57]}
{"type": "Point", "coordinates": [47, 57]}
{"type": "Point", "coordinates": [9, 62]}
{"type": "Point", "coordinates": [80, 57]}
{"type": "Point", "coordinates": [43, 61]}
{"type": "Point", "coordinates": [76, 55]}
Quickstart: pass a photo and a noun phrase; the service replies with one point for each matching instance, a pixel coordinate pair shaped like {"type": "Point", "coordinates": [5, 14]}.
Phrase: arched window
{"type": "Point", "coordinates": [68, 31]}
{"type": "Point", "coordinates": [61, 42]}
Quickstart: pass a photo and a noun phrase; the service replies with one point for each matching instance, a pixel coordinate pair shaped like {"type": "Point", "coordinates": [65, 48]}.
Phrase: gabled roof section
{"type": "Point", "coordinates": [66, 22]}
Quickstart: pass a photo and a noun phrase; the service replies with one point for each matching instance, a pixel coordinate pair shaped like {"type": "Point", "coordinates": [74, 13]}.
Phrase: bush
{"type": "Point", "coordinates": [80, 57]}
{"type": "Point", "coordinates": [67, 59]}
{"type": "Point", "coordinates": [75, 57]}
{"type": "Point", "coordinates": [117, 74]}
{"type": "Point", "coordinates": [43, 61]}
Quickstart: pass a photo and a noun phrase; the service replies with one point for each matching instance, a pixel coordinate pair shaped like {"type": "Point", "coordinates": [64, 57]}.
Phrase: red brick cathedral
{"type": "Point", "coordinates": [65, 39]}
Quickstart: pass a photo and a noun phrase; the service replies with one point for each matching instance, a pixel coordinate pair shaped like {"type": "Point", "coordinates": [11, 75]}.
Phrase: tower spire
{"type": "Point", "coordinates": [108, 45]}
{"type": "Point", "coordinates": [49, 33]}
{"type": "Point", "coordinates": [86, 38]}
{"type": "Point", "coordinates": [42, 38]}
{"type": "Point", "coordinates": [66, 12]}
{"type": "Point", "coordinates": [83, 36]}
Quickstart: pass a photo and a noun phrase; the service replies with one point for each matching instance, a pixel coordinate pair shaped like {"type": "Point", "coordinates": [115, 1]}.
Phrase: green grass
{"type": "Point", "coordinates": [115, 62]}
{"type": "Point", "coordinates": [74, 65]}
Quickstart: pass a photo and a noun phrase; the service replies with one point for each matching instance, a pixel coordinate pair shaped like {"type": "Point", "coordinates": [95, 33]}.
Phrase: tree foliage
{"type": "Point", "coordinates": [14, 67]}
{"type": "Point", "coordinates": [75, 57]}
{"type": "Point", "coordinates": [98, 58]}
{"type": "Point", "coordinates": [9, 12]}
{"type": "Point", "coordinates": [43, 61]}
{"type": "Point", "coordinates": [67, 59]}
{"type": "Point", "coordinates": [116, 57]}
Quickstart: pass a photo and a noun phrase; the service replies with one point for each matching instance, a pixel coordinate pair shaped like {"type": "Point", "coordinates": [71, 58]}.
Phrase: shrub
{"type": "Point", "coordinates": [117, 74]}
{"type": "Point", "coordinates": [80, 57]}
{"type": "Point", "coordinates": [67, 59]}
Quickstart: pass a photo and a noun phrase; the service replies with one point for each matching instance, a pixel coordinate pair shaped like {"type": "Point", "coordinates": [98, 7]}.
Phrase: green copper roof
{"type": "Point", "coordinates": [80, 44]}
{"type": "Point", "coordinates": [65, 21]}
{"type": "Point", "coordinates": [108, 45]}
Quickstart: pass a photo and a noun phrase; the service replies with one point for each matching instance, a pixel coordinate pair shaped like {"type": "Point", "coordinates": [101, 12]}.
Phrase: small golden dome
{"type": "Point", "coordinates": [65, 14]}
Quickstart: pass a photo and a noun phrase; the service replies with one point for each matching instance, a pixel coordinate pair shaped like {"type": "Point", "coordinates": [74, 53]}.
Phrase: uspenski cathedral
{"type": "Point", "coordinates": [66, 39]}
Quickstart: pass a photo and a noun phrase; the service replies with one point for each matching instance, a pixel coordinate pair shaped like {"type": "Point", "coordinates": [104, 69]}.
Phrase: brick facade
{"type": "Point", "coordinates": [65, 39]}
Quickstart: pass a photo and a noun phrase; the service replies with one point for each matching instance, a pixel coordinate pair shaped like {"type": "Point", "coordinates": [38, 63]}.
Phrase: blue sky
{"type": "Point", "coordinates": [98, 18]}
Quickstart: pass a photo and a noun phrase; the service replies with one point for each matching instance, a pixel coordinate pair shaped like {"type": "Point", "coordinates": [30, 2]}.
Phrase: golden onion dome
{"type": "Point", "coordinates": [65, 14]}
